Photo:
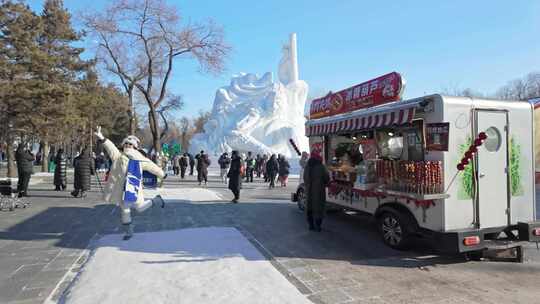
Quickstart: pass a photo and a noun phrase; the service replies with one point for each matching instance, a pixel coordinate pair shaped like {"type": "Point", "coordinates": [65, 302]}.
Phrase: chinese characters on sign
{"type": "Point", "coordinates": [384, 89]}
{"type": "Point", "coordinates": [437, 136]}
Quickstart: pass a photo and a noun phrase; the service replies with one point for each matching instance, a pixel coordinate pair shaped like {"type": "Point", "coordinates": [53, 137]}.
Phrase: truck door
{"type": "Point", "coordinates": [492, 169]}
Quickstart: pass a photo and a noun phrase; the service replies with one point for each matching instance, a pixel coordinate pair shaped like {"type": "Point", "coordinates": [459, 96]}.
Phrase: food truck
{"type": "Point", "coordinates": [456, 170]}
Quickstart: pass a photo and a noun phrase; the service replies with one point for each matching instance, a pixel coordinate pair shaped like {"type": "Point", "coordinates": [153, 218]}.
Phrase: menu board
{"type": "Point", "coordinates": [437, 136]}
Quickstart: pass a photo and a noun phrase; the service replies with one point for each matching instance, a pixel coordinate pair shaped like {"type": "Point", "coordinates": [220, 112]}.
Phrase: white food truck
{"type": "Point", "coordinates": [459, 171]}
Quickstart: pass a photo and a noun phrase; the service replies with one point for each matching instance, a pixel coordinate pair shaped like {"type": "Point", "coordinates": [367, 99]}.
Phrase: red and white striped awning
{"type": "Point", "coordinates": [360, 121]}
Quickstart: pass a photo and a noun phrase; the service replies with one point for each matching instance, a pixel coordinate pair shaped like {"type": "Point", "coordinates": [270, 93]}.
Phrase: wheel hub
{"type": "Point", "coordinates": [392, 231]}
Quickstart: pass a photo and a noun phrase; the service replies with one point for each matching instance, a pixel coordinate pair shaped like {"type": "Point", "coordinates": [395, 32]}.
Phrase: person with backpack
{"type": "Point", "coordinates": [224, 163]}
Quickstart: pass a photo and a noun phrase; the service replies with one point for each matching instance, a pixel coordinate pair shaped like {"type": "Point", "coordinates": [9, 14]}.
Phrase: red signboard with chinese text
{"type": "Point", "coordinates": [381, 90]}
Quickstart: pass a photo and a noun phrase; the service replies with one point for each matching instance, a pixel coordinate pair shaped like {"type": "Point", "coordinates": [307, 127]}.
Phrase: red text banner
{"type": "Point", "coordinates": [381, 90]}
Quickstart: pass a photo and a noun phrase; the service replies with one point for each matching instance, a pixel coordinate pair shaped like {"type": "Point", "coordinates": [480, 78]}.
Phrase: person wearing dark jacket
{"type": "Point", "coordinates": [60, 171]}
{"type": "Point", "coordinates": [272, 168]}
{"type": "Point", "coordinates": [283, 170]}
{"type": "Point", "coordinates": [250, 167]}
{"type": "Point", "coordinates": [25, 168]}
{"type": "Point", "coordinates": [224, 162]}
{"type": "Point", "coordinates": [234, 176]}
{"type": "Point", "coordinates": [184, 163]}
{"type": "Point", "coordinates": [202, 168]}
{"type": "Point", "coordinates": [316, 178]}
{"type": "Point", "coordinates": [191, 163]}
{"type": "Point", "coordinates": [84, 168]}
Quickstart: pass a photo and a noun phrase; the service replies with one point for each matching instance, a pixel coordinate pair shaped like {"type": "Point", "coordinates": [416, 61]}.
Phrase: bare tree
{"type": "Point", "coordinates": [466, 92]}
{"type": "Point", "coordinates": [522, 88]}
{"type": "Point", "coordinates": [200, 121]}
{"type": "Point", "coordinates": [186, 132]}
{"type": "Point", "coordinates": [149, 35]}
{"type": "Point", "coordinates": [173, 102]}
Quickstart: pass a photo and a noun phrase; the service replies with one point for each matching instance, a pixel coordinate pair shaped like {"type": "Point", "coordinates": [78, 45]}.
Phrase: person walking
{"type": "Point", "coordinates": [283, 170]}
{"type": "Point", "coordinates": [25, 168]}
{"type": "Point", "coordinates": [202, 168]}
{"type": "Point", "coordinates": [258, 163]}
{"type": "Point", "coordinates": [272, 168]}
{"type": "Point", "coordinates": [316, 178]}
{"type": "Point", "coordinates": [60, 171]}
{"type": "Point", "coordinates": [250, 167]}
{"type": "Point", "coordinates": [224, 163]}
{"type": "Point", "coordinates": [191, 164]}
{"type": "Point", "coordinates": [302, 162]}
{"type": "Point", "coordinates": [125, 186]}
{"type": "Point", "coordinates": [263, 167]}
{"type": "Point", "coordinates": [234, 176]}
{"type": "Point", "coordinates": [84, 168]}
{"type": "Point", "coordinates": [176, 164]}
{"type": "Point", "coordinates": [184, 163]}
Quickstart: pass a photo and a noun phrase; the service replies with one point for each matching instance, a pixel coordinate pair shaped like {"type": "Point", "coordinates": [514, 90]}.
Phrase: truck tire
{"type": "Point", "coordinates": [301, 199]}
{"type": "Point", "coordinates": [395, 229]}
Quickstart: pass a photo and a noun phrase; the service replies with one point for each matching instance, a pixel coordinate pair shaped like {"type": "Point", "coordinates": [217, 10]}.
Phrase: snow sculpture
{"type": "Point", "coordinates": [257, 114]}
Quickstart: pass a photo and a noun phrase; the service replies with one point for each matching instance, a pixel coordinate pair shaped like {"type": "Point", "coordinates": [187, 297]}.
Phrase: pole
{"type": "Point", "coordinates": [99, 182]}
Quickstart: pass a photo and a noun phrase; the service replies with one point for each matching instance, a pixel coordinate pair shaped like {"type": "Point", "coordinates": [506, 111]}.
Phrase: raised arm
{"type": "Point", "coordinates": [109, 146]}
{"type": "Point", "coordinates": [148, 165]}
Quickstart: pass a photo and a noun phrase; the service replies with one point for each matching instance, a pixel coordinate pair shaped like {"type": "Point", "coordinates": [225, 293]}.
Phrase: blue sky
{"type": "Point", "coordinates": [433, 44]}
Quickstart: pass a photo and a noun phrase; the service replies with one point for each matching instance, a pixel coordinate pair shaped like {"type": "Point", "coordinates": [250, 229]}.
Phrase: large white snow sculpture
{"type": "Point", "coordinates": [257, 114]}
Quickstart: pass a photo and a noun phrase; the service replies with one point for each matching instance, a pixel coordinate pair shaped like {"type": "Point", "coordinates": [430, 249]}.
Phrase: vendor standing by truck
{"type": "Point", "coordinates": [316, 178]}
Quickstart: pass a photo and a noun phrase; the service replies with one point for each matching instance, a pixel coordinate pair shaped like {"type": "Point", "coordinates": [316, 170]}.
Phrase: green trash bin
{"type": "Point", "coordinates": [52, 166]}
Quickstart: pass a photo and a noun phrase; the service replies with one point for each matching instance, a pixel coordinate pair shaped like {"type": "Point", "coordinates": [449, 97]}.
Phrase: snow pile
{"type": "Point", "coordinates": [200, 265]}
{"type": "Point", "coordinates": [257, 114]}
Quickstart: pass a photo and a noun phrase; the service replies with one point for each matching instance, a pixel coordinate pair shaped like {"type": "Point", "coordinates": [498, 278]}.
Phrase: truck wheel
{"type": "Point", "coordinates": [394, 230]}
{"type": "Point", "coordinates": [301, 199]}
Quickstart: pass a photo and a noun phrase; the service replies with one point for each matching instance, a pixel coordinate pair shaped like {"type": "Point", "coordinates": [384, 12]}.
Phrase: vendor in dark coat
{"type": "Point", "coordinates": [25, 168]}
{"type": "Point", "coordinates": [316, 178]}
{"type": "Point", "coordinates": [60, 171]}
{"type": "Point", "coordinates": [234, 176]}
{"type": "Point", "coordinates": [84, 167]}
{"type": "Point", "coordinates": [272, 168]}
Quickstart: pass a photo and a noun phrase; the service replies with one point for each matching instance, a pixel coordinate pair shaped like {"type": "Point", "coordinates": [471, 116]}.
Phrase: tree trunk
{"type": "Point", "coordinates": [131, 112]}
{"type": "Point", "coordinates": [154, 129]}
{"type": "Point", "coordinates": [11, 169]}
{"type": "Point", "coordinates": [184, 147]}
{"type": "Point", "coordinates": [45, 156]}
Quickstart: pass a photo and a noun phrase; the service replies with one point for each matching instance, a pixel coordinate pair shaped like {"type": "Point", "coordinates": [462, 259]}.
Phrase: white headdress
{"type": "Point", "coordinates": [132, 139]}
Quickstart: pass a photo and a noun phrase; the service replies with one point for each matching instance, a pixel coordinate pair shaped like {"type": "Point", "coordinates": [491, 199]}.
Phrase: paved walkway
{"type": "Point", "coordinates": [39, 244]}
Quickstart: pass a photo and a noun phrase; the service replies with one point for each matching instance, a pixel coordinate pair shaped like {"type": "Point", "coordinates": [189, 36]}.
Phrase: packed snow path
{"type": "Point", "coordinates": [195, 265]}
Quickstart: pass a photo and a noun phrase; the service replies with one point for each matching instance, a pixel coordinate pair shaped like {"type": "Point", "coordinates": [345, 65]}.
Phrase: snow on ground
{"type": "Point", "coordinates": [198, 265]}
{"type": "Point", "coordinates": [43, 174]}
{"type": "Point", "coordinates": [184, 194]}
